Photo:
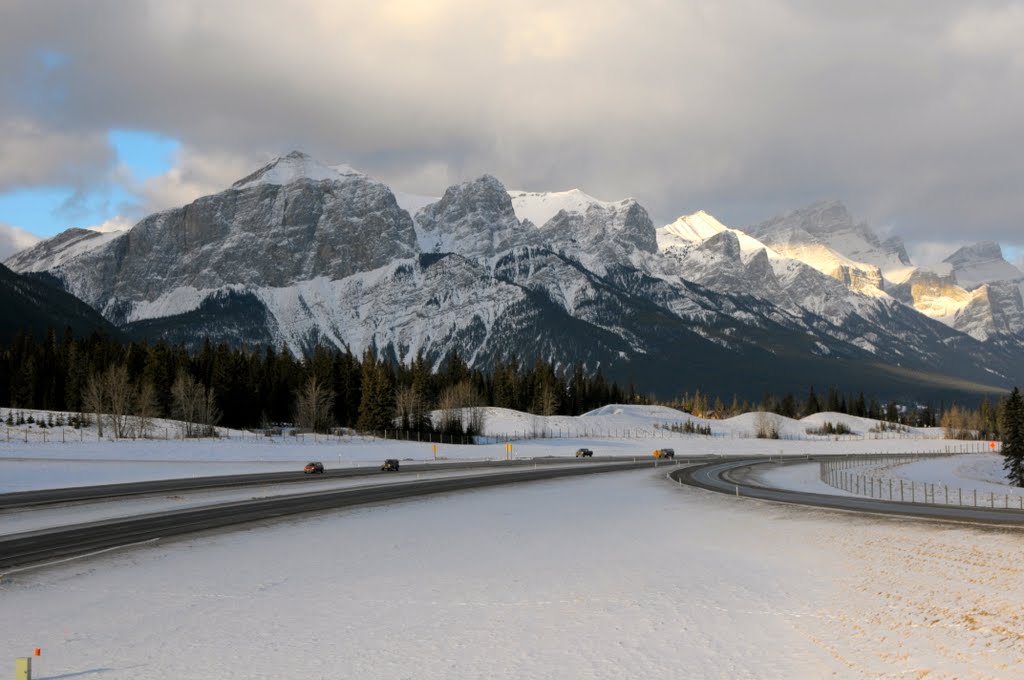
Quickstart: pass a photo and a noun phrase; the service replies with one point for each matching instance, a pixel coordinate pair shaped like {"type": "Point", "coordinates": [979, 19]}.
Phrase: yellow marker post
{"type": "Point", "coordinates": [434, 448]}
{"type": "Point", "coordinates": [23, 668]}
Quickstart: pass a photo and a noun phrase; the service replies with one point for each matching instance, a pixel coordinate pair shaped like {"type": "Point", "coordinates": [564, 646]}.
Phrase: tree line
{"type": "Point", "coordinates": [832, 399]}
{"type": "Point", "coordinates": [262, 387]}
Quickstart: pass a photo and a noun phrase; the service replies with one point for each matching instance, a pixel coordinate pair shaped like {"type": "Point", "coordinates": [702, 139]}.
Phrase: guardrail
{"type": "Point", "coordinates": [843, 474]}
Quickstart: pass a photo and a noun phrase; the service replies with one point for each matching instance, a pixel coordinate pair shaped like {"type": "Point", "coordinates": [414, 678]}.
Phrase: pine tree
{"type": "Point", "coordinates": [813, 405]}
{"type": "Point", "coordinates": [1013, 438]}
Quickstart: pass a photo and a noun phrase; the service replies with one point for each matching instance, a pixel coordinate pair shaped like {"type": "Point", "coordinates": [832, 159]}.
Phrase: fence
{"type": "Point", "coordinates": [842, 474]}
{"type": "Point", "coordinates": [55, 435]}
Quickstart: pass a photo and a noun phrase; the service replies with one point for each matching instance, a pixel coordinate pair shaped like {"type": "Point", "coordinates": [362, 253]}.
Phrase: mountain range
{"type": "Point", "coordinates": [300, 253]}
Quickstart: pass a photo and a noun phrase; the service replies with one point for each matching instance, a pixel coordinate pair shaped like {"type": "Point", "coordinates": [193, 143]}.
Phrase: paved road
{"type": "Point", "coordinates": [731, 477]}
{"type": "Point", "coordinates": [19, 550]}
{"type": "Point", "coordinates": [24, 499]}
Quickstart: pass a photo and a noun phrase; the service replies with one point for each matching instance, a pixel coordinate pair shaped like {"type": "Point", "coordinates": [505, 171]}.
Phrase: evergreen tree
{"type": "Point", "coordinates": [813, 405]}
{"type": "Point", "coordinates": [1013, 438]}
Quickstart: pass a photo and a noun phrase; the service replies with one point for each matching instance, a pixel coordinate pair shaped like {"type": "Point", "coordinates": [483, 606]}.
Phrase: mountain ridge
{"type": "Point", "coordinates": [299, 252]}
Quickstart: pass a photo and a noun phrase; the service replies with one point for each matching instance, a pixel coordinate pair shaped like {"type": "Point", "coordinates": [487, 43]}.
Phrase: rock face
{"type": "Point", "coordinates": [825, 236]}
{"type": "Point", "coordinates": [981, 263]}
{"type": "Point", "coordinates": [933, 294]}
{"type": "Point", "coordinates": [474, 218]}
{"type": "Point", "coordinates": [302, 253]}
{"type": "Point", "coordinates": [258, 233]}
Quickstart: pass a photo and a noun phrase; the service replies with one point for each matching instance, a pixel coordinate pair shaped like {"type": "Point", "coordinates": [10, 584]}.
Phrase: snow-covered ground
{"type": "Point", "coordinates": [622, 575]}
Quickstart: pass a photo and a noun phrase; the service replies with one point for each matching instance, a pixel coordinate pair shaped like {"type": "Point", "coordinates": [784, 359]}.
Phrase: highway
{"type": "Point", "coordinates": [79, 494]}
{"type": "Point", "coordinates": [732, 477]}
{"type": "Point", "coordinates": [19, 550]}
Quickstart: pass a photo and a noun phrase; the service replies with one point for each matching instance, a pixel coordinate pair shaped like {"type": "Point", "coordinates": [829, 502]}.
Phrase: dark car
{"type": "Point", "coordinates": [664, 453]}
{"type": "Point", "coordinates": [584, 453]}
{"type": "Point", "coordinates": [312, 468]}
{"type": "Point", "coordinates": [391, 464]}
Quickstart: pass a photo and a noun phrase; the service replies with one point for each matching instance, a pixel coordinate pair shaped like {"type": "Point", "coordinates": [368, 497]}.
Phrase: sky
{"type": "Point", "coordinates": [908, 112]}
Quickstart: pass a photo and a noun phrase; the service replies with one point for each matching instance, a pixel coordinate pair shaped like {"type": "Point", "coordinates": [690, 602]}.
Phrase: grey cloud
{"type": "Point", "coordinates": [13, 240]}
{"type": "Point", "coordinates": [904, 111]}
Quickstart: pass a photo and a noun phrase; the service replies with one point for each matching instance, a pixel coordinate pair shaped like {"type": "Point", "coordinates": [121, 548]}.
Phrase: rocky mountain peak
{"type": "Point", "coordinates": [474, 218]}
{"type": "Point", "coordinates": [293, 167]}
{"type": "Point", "coordinates": [823, 217]}
{"type": "Point", "coordinates": [983, 251]}
{"type": "Point", "coordinates": [981, 263]}
{"type": "Point", "coordinates": [895, 245]}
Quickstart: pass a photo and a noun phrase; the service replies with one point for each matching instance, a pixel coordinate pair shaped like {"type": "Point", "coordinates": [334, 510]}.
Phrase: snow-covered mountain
{"type": "Point", "coordinates": [300, 253]}
{"type": "Point", "coordinates": [974, 291]}
{"type": "Point", "coordinates": [825, 236]}
{"type": "Point", "coordinates": [982, 263]}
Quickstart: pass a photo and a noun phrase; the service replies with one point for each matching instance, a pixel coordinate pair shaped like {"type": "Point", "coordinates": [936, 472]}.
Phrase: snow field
{"type": "Point", "coordinates": [621, 575]}
{"type": "Point", "coordinates": [611, 576]}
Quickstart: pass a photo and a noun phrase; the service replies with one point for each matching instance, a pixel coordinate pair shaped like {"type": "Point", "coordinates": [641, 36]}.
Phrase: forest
{"type": "Point", "coordinates": [263, 387]}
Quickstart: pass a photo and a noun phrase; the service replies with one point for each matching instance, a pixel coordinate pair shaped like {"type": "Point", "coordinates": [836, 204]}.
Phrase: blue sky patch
{"type": "Point", "coordinates": [51, 59]}
{"type": "Point", "coordinates": [46, 211]}
{"type": "Point", "coordinates": [147, 154]}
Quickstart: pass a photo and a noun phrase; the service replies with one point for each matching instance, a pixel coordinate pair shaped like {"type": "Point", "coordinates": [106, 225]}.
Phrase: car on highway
{"type": "Point", "coordinates": [314, 468]}
{"type": "Point", "coordinates": [584, 453]}
{"type": "Point", "coordinates": [664, 453]}
{"type": "Point", "coordinates": [390, 465]}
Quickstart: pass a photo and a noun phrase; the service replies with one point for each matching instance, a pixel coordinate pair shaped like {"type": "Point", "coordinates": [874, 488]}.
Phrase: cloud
{"type": "Point", "coordinates": [34, 156]}
{"type": "Point", "coordinates": [194, 174]}
{"type": "Point", "coordinates": [909, 113]}
{"type": "Point", "coordinates": [116, 223]}
{"type": "Point", "coordinates": [13, 240]}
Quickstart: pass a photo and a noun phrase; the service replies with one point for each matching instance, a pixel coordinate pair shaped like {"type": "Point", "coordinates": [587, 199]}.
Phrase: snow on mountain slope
{"type": "Point", "coordinates": [293, 167]}
{"type": "Point", "coordinates": [824, 236]}
{"type": "Point", "coordinates": [829, 224]}
{"type": "Point", "coordinates": [700, 248]}
{"type": "Point", "coordinates": [413, 203]}
{"type": "Point", "coordinates": [981, 263]}
{"type": "Point", "coordinates": [55, 251]}
{"type": "Point", "coordinates": [932, 293]}
{"type": "Point", "coordinates": [993, 309]}
{"type": "Point", "coordinates": [540, 207]}
{"type": "Point", "coordinates": [690, 230]}
{"type": "Point", "coordinates": [974, 290]}
{"type": "Point", "coordinates": [301, 253]}
{"type": "Point", "coordinates": [474, 219]}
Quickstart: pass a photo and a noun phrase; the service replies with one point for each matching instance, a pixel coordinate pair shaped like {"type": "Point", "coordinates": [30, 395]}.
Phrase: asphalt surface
{"type": "Point", "coordinates": [732, 477]}
{"type": "Point", "coordinates": [19, 550]}
{"type": "Point", "coordinates": [77, 494]}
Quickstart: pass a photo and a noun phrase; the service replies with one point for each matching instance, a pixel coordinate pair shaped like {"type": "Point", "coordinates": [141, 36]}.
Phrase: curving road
{"type": "Point", "coordinates": [18, 550]}
{"type": "Point", "coordinates": [731, 477]}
